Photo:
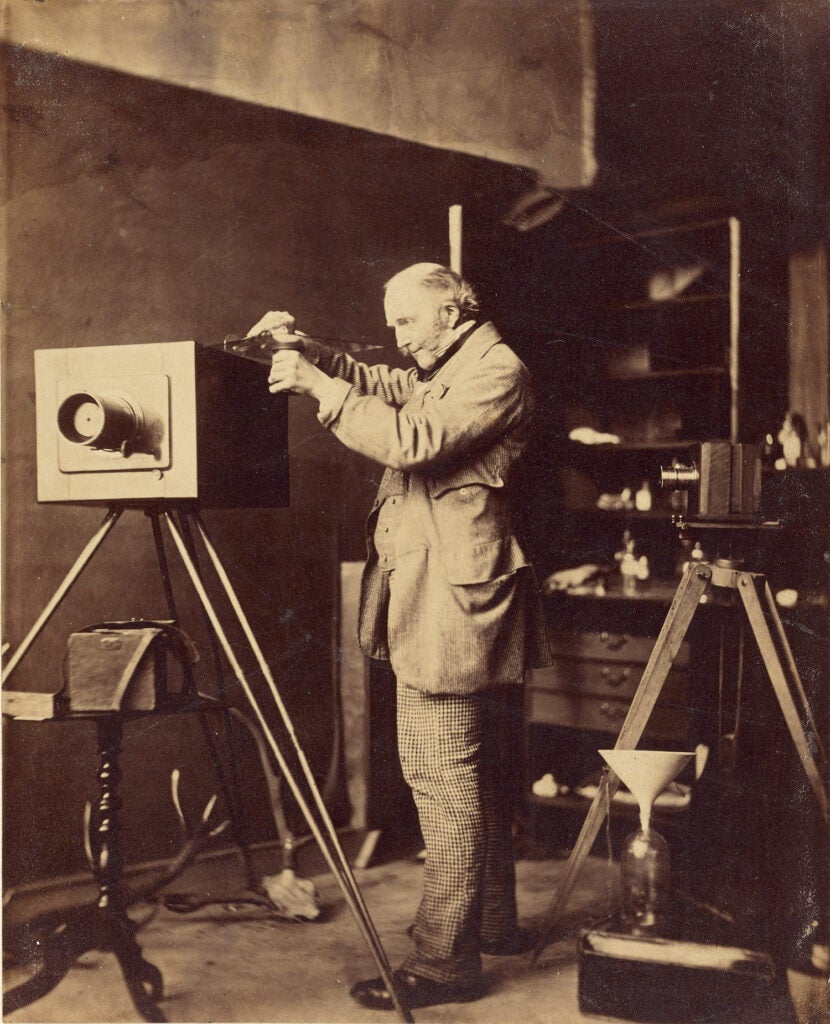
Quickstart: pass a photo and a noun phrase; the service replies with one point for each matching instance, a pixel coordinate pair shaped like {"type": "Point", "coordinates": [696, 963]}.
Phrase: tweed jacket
{"type": "Point", "coordinates": [461, 610]}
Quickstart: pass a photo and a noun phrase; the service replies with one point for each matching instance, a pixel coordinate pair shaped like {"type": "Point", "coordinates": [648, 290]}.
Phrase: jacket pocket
{"type": "Point", "coordinates": [467, 476]}
{"type": "Point", "coordinates": [481, 563]}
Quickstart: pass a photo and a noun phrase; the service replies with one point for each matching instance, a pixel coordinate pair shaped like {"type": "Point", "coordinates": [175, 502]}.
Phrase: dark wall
{"type": "Point", "coordinates": [139, 212]}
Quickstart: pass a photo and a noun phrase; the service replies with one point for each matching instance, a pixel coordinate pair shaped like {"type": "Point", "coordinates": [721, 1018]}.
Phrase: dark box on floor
{"type": "Point", "coordinates": [674, 982]}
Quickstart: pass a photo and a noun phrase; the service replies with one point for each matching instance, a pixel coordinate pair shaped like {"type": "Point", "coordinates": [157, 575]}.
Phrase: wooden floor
{"type": "Point", "coordinates": [234, 963]}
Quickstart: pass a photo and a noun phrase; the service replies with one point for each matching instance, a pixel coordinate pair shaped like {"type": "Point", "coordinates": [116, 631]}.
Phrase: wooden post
{"type": "Point", "coordinates": [809, 345]}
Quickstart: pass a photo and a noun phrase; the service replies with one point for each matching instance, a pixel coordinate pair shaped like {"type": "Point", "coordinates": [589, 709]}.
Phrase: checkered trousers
{"type": "Point", "coordinates": [453, 757]}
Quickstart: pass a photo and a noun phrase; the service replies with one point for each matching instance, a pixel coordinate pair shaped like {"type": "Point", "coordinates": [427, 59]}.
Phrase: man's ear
{"type": "Point", "coordinates": [453, 314]}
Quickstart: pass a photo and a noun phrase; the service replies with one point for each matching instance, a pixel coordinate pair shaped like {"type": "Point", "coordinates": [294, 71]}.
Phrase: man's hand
{"type": "Point", "coordinates": [282, 328]}
{"type": "Point", "coordinates": [274, 322]}
{"type": "Point", "coordinates": [291, 371]}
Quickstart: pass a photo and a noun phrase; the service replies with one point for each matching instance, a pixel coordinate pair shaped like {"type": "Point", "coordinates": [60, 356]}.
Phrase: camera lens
{"type": "Point", "coordinates": [88, 420]}
{"type": "Point", "coordinates": [679, 477]}
{"type": "Point", "coordinates": [106, 421]}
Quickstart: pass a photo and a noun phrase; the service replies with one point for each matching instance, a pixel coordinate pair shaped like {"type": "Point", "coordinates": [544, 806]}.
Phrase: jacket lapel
{"type": "Point", "coordinates": [474, 348]}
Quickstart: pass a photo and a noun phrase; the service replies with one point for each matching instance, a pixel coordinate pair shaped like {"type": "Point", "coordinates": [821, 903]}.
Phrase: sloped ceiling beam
{"type": "Point", "coordinates": [508, 80]}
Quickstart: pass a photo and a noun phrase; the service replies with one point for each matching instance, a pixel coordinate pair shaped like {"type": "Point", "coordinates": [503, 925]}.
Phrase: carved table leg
{"type": "Point", "coordinates": [107, 852]}
{"type": "Point", "coordinates": [104, 925]}
{"type": "Point", "coordinates": [115, 931]}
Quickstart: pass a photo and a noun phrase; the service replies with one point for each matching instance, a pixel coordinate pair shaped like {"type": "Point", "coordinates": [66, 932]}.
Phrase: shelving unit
{"type": "Point", "coordinates": [658, 368]}
{"type": "Point", "coordinates": [657, 365]}
{"type": "Point", "coordinates": [665, 337]}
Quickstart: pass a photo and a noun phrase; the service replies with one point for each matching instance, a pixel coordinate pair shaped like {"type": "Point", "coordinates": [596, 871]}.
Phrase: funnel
{"type": "Point", "coordinates": [646, 773]}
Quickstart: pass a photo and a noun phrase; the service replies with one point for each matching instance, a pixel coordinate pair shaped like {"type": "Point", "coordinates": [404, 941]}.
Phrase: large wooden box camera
{"type": "Point", "coordinates": [159, 422]}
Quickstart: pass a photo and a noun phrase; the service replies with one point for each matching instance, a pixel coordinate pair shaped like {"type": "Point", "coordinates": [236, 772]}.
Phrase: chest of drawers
{"type": "Point", "coordinates": [592, 680]}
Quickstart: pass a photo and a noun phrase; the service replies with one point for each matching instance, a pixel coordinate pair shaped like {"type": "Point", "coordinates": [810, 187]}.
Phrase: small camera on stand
{"type": "Point", "coordinates": [165, 422]}
{"type": "Point", "coordinates": [724, 482]}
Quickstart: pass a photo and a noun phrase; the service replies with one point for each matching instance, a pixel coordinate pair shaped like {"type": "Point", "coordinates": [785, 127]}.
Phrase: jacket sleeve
{"type": "Point", "coordinates": [490, 399]}
{"type": "Point", "coordinates": [394, 386]}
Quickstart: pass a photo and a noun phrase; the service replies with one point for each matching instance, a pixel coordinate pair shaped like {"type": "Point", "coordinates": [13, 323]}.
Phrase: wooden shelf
{"type": "Point", "coordinates": [679, 300]}
{"type": "Point", "coordinates": [659, 515]}
{"type": "Point", "coordinates": [653, 591]}
{"type": "Point", "coordinates": [650, 376]}
{"type": "Point", "coordinates": [634, 446]}
{"type": "Point", "coordinates": [622, 235]}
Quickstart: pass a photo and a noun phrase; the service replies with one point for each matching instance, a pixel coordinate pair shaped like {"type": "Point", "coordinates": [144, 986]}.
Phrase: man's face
{"type": "Point", "coordinates": [423, 321]}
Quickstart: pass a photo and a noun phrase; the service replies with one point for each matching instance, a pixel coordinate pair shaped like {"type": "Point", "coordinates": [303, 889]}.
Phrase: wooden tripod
{"type": "Point", "coordinates": [759, 605]}
{"type": "Point", "coordinates": [183, 521]}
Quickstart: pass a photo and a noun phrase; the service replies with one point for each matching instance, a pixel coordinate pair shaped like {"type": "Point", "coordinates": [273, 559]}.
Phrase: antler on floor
{"type": "Point", "coordinates": [193, 842]}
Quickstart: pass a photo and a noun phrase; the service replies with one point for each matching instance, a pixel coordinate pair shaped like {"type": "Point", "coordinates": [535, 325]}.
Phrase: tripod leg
{"type": "Point", "coordinates": [230, 793]}
{"type": "Point", "coordinates": [683, 607]}
{"type": "Point", "coordinates": [340, 870]}
{"type": "Point", "coordinates": [775, 671]}
{"type": "Point", "coordinates": [796, 678]}
{"type": "Point", "coordinates": [334, 855]}
{"type": "Point", "coordinates": [164, 569]}
{"type": "Point", "coordinates": [266, 671]}
{"type": "Point", "coordinates": [269, 678]}
{"type": "Point", "coordinates": [230, 788]}
{"type": "Point", "coordinates": [92, 546]}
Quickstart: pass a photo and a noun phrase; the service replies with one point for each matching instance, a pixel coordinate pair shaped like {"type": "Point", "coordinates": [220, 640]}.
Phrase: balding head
{"type": "Point", "coordinates": [451, 287]}
{"type": "Point", "coordinates": [424, 304]}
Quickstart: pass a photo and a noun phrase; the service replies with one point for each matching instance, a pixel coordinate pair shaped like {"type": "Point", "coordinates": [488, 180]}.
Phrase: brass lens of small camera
{"type": "Point", "coordinates": [679, 477]}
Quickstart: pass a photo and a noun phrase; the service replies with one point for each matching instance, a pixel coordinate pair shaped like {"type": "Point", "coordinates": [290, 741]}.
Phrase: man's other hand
{"type": "Point", "coordinates": [291, 371]}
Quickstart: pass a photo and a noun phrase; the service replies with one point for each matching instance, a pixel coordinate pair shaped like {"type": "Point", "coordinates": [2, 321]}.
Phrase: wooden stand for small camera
{"type": "Point", "coordinates": [107, 926]}
{"type": "Point", "coordinates": [759, 604]}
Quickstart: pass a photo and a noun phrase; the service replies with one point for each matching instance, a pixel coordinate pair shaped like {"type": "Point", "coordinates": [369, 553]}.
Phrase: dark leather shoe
{"type": "Point", "coordinates": [521, 941]}
{"type": "Point", "coordinates": [413, 992]}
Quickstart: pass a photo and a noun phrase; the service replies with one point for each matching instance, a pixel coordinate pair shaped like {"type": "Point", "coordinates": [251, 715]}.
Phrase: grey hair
{"type": "Point", "coordinates": [441, 279]}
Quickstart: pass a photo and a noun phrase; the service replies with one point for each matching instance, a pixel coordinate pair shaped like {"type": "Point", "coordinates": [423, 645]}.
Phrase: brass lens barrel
{"type": "Point", "coordinates": [105, 421]}
{"type": "Point", "coordinates": [679, 477]}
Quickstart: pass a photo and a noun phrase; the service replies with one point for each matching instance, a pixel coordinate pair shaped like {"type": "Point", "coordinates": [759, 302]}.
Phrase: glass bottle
{"type": "Point", "coordinates": [628, 568]}
{"type": "Point", "coordinates": [642, 499]}
{"type": "Point", "coordinates": [645, 874]}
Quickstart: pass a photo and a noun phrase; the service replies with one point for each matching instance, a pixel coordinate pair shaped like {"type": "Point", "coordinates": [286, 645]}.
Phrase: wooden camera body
{"type": "Point", "coordinates": [159, 422]}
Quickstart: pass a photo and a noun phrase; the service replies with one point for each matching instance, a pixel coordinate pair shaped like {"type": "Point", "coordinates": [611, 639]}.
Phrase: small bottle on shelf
{"type": "Point", "coordinates": [619, 554]}
{"type": "Point", "coordinates": [696, 556]}
{"type": "Point", "coordinates": [642, 499]}
{"type": "Point", "coordinates": [629, 568]}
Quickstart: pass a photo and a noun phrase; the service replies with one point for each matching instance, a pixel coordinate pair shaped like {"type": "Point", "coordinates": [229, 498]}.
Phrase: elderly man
{"type": "Point", "coordinates": [448, 597]}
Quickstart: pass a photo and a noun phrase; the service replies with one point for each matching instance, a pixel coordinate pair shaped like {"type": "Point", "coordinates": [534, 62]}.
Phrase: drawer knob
{"type": "Point", "coordinates": [615, 678]}
{"type": "Point", "coordinates": [614, 712]}
{"type": "Point", "coordinates": [613, 641]}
